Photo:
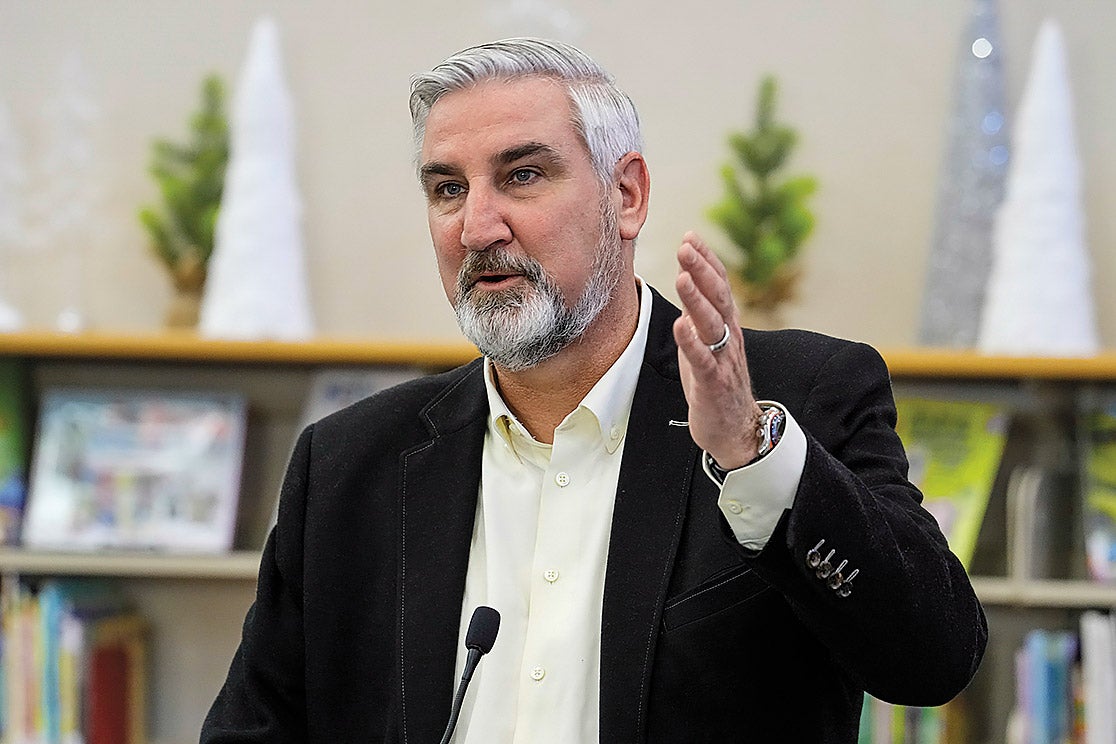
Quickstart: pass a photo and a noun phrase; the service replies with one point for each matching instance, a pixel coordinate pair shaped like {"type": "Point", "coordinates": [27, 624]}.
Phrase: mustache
{"type": "Point", "coordinates": [496, 261]}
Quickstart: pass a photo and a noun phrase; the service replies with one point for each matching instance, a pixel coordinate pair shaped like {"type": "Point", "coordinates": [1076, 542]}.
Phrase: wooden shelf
{"type": "Point", "coordinates": [237, 565]}
{"type": "Point", "coordinates": [189, 347]}
{"type": "Point", "coordinates": [1045, 593]}
{"type": "Point", "coordinates": [935, 363]}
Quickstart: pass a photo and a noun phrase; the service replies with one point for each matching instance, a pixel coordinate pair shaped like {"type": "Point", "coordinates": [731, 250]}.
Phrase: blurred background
{"type": "Point", "coordinates": [868, 84]}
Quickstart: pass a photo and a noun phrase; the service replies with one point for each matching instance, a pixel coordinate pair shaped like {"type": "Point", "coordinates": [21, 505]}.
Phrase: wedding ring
{"type": "Point", "coordinates": [722, 343]}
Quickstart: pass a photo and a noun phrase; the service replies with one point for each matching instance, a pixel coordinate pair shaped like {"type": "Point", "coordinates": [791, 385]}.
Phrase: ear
{"type": "Point", "coordinates": [632, 184]}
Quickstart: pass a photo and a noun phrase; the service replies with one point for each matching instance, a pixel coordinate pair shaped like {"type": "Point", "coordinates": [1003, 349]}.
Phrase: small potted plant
{"type": "Point", "coordinates": [767, 219]}
{"type": "Point", "coordinates": [191, 178]}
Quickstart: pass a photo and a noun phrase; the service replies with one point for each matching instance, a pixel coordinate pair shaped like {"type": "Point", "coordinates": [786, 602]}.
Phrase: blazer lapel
{"type": "Point", "coordinates": [438, 495]}
{"type": "Point", "coordinates": [651, 498]}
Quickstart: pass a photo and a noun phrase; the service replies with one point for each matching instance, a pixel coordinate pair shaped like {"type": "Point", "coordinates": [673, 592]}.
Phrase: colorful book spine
{"type": "Point", "coordinates": [13, 450]}
{"type": "Point", "coordinates": [74, 665]}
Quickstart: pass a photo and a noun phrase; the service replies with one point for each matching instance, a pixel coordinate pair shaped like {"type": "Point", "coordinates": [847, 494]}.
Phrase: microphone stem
{"type": "Point", "coordinates": [471, 662]}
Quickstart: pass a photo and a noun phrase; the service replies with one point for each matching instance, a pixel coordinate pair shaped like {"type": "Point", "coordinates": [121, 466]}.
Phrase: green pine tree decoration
{"type": "Point", "coordinates": [766, 219]}
{"type": "Point", "coordinates": [191, 178]}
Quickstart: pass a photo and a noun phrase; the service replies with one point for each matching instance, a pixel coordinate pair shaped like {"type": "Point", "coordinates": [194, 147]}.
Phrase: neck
{"type": "Point", "coordinates": [542, 396]}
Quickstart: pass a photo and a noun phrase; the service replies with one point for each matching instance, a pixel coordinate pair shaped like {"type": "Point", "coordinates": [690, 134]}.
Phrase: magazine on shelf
{"type": "Point", "coordinates": [954, 449]}
{"type": "Point", "coordinates": [333, 389]}
{"type": "Point", "coordinates": [13, 450]}
{"type": "Point", "coordinates": [135, 470]}
{"type": "Point", "coordinates": [1099, 502]}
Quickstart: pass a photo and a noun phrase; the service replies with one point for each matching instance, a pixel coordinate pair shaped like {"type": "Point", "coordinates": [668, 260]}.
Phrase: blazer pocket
{"type": "Point", "coordinates": [725, 590]}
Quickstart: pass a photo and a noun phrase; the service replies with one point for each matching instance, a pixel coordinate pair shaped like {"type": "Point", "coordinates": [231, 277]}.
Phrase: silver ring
{"type": "Point", "coordinates": [722, 343]}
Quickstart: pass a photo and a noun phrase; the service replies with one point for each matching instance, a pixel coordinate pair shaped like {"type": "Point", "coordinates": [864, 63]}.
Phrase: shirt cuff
{"type": "Point", "coordinates": [754, 497]}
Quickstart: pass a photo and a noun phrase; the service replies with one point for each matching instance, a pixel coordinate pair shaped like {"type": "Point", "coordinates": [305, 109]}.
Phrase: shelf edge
{"type": "Point", "coordinates": [242, 565]}
{"type": "Point", "coordinates": [1045, 593]}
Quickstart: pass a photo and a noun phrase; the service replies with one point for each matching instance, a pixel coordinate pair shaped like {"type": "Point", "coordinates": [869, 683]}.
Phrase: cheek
{"type": "Point", "coordinates": [448, 253]}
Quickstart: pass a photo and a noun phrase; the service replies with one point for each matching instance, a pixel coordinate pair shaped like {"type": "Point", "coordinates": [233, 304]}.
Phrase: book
{"type": "Point", "coordinates": [116, 697]}
{"type": "Point", "coordinates": [77, 665]}
{"type": "Point", "coordinates": [886, 723]}
{"type": "Point", "coordinates": [135, 470]}
{"type": "Point", "coordinates": [1098, 661]}
{"type": "Point", "coordinates": [332, 389]}
{"type": "Point", "coordinates": [1040, 506]}
{"type": "Point", "coordinates": [954, 449]}
{"type": "Point", "coordinates": [1047, 688]}
{"type": "Point", "coordinates": [13, 450]}
{"type": "Point", "coordinates": [1099, 498]}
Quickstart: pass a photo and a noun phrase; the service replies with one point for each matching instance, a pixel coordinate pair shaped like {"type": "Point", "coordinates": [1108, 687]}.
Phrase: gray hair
{"type": "Point", "coordinates": [603, 115]}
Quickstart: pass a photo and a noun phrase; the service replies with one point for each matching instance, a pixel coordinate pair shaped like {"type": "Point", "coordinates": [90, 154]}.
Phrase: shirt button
{"type": "Point", "coordinates": [734, 507]}
{"type": "Point", "coordinates": [538, 673]}
{"type": "Point", "coordinates": [614, 432]}
{"type": "Point", "coordinates": [562, 479]}
{"type": "Point", "coordinates": [551, 575]}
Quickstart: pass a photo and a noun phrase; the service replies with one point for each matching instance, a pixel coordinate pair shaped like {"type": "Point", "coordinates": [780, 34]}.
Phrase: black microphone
{"type": "Point", "coordinates": [483, 626]}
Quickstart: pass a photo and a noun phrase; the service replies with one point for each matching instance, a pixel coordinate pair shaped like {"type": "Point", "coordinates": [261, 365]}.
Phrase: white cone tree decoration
{"type": "Point", "coordinates": [256, 287]}
{"type": "Point", "coordinates": [11, 220]}
{"type": "Point", "coordinates": [1039, 298]}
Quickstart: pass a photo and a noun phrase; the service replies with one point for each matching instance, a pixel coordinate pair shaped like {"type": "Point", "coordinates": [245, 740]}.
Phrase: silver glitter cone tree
{"type": "Point", "coordinates": [970, 188]}
{"type": "Point", "coordinates": [1039, 299]}
{"type": "Point", "coordinates": [256, 285]}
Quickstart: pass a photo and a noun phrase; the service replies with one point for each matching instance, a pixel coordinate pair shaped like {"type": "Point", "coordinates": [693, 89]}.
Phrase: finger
{"type": "Point", "coordinates": [692, 347]}
{"type": "Point", "coordinates": [706, 252]}
{"type": "Point", "coordinates": [706, 319]}
{"type": "Point", "coordinates": [709, 278]}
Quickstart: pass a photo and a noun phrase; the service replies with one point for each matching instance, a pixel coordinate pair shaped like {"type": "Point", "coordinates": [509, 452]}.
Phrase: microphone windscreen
{"type": "Point", "coordinates": [483, 627]}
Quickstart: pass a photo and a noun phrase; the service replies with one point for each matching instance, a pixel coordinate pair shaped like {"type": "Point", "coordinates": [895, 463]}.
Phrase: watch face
{"type": "Point", "coordinates": [772, 423]}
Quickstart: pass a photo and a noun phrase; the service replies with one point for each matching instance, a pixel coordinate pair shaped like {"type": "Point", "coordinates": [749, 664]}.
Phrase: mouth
{"type": "Point", "coordinates": [494, 281]}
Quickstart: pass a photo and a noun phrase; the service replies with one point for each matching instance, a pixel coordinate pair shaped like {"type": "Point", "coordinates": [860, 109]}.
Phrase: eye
{"type": "Point", "coordinates": [522, 176]}
{"type": "Point", "coordinates": [449, 190]}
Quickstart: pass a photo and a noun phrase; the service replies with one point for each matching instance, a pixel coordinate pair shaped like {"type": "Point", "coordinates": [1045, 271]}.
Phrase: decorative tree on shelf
{"type": "Point", "coordinates": [191, 179]}
{"type": "Point", "coordinates": [766, 220]}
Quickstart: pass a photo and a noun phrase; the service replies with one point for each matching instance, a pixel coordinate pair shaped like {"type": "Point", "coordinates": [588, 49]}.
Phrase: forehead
{"type": "Point", "coordinates": [495, 114]}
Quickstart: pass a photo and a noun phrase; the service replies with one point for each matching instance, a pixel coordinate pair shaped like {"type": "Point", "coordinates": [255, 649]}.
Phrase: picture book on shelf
{"type": "Point", "coordinates": [13, 450]}
{"type": "Point", "coordinates": [954, 449]}
{"type": "Point", "coordinates": [134, 469]}
{"type": "Point", "coordinates": [1099, 502]}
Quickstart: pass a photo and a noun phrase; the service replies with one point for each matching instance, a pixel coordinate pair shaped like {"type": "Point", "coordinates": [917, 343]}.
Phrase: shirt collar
{"type": "Point", "coordinates": [610, 400]}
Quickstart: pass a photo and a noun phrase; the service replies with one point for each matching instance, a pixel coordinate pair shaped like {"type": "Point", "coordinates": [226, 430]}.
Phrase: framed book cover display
{"type": "Point", "coordinates": [135, 470]}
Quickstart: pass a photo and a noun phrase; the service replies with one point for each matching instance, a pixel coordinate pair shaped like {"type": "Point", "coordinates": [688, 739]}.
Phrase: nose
{"type": "Point", "coordinates": [483, 222]}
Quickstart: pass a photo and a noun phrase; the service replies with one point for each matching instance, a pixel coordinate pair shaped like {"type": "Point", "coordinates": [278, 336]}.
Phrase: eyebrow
{"type": "Point", "coordinates": [436, 168]}
{"type": "Point", "coordinates": [526, 150]}
{"type": "Point", "coordinates": [504, 158]}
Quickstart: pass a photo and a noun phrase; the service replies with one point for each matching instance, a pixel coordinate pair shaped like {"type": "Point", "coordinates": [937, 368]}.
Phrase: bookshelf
{"type": "Point", "coordinates": [196, 603]}
{"type": "Point", "coordinates": [1029, 566]}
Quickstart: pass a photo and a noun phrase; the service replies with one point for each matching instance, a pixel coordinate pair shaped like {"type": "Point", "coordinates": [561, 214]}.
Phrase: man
{"type": "Point", "coordinates": [693, 533]}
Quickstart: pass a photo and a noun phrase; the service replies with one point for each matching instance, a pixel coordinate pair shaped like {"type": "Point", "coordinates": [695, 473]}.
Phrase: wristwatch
{"type": "Point", "coordinates": [769, 431]}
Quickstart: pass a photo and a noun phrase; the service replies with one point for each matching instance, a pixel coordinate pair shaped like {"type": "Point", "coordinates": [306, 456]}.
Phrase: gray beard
{"type": "Point", "coordinates": [521, 327]}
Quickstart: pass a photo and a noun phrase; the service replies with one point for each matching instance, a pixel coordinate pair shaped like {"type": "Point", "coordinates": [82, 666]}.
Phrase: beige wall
{"type": "Point", "coordinates": [867, 82]}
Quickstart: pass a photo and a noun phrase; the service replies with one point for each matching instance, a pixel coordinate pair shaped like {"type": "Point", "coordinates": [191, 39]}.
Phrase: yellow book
{"type": "Point", "coordinates": [954, 449]}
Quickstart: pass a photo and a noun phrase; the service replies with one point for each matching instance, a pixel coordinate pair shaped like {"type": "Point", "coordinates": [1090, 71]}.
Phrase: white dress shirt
{"type": "Point", "coordinates": [540, 547]}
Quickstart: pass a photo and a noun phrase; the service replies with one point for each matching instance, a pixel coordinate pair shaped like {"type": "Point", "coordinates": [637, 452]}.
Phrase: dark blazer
{"type": "Point", "coordinates": [353, 634]}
